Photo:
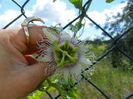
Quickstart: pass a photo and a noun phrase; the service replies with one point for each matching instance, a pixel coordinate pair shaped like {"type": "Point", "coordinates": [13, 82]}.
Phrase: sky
{"type": "Point", "coordinates": [60, 12]}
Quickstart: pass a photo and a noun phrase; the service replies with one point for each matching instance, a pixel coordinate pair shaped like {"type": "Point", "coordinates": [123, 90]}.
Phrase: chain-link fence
{"type": "Point", "coordinates": [115, 44]}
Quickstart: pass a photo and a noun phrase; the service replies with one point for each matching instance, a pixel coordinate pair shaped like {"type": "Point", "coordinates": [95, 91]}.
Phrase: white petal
{"type": "Point", "coordinates": [46, 58]}
{"type": "Point", "coordinates": [76, 69]}
{"type": "Point", "coordinates": [50, 34]}
{"type": "Point", "coordinates": [84, 60]}
{"type": "Point", "coordinates": [73, 72]}
{"type": "Point", "coordinates": [65, 36]}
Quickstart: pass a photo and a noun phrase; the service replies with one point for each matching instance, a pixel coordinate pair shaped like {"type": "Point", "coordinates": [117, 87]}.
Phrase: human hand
{"type": "Point", "coordinates": [19, 73]}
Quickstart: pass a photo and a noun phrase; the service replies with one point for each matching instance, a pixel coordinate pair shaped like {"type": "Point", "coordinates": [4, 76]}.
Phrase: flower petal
{"type": "Point", "coordinates": [84, 60]}
{"type": "Point", "coordinates": [70, 72]}
{"type": "Point", "coordinates": [51, 34]}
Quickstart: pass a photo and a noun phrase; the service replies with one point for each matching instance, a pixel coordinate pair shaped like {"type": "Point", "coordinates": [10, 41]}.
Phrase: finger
{"type": "Point", "coordinates": [29, 78]}
{"type": "Point", "coordinates": [19, 39]}
{"type": "Point", "coordinates": [36, 35]}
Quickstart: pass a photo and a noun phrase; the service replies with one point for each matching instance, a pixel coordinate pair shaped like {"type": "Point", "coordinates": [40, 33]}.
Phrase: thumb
{"type": "Point", "coordinates": [30, 77]}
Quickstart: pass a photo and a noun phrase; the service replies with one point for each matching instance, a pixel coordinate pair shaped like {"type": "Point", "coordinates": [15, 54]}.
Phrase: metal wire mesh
{"type": "Point", "coordinates": [115, 44]}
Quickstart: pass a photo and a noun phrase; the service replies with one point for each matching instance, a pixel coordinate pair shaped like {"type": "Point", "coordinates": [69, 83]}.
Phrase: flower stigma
{"type": "Point", "coordinates": [65, 54]}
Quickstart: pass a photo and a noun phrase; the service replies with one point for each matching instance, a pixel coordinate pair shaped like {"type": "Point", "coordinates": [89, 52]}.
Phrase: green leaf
{"type": "Point", "coordinates": [77, 3]}
{"type": "Point", "coordinates": [37, 95]}
{"type": "Point", "coordinates": [109, 1]}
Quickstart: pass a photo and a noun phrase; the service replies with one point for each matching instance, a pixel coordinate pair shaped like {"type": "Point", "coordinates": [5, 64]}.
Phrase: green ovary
{"type": "Point", "coordinates": [65, 54]}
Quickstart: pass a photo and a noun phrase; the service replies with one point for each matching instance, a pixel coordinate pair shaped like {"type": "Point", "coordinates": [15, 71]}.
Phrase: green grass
{"type": "Point", "coordinates": [116, 83]}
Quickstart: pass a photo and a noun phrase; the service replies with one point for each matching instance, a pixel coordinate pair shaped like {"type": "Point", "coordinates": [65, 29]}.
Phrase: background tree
{"type": "Point", "coordinates": [123, 22]}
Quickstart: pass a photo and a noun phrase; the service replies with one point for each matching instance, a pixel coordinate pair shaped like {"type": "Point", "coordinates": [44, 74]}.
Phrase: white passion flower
{"type": "Point", "coordinates": [62, 51]}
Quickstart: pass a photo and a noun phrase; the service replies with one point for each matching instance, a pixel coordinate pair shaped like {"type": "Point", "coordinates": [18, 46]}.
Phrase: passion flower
{"type": "Point", "coordinates": [62, 51]}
